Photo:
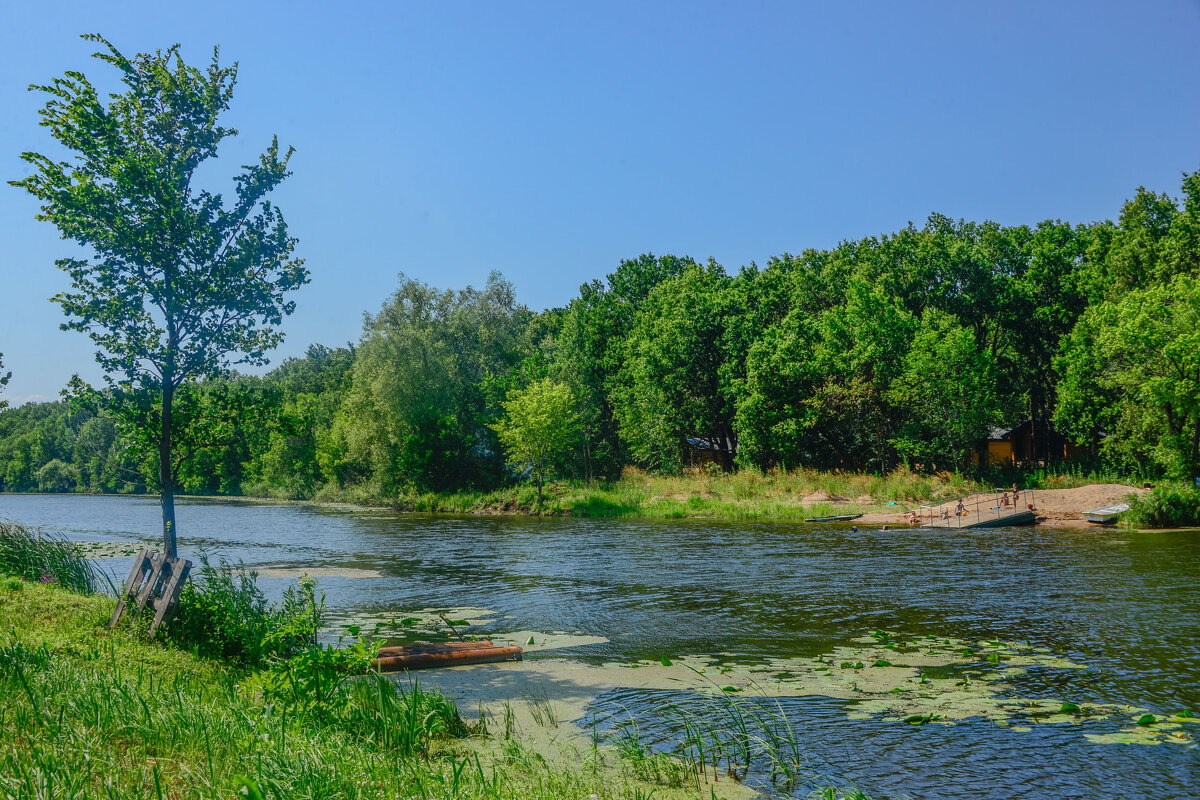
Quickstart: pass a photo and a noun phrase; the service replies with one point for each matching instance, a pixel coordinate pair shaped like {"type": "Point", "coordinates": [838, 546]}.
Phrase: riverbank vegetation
{"type": "Point", "coordinates": [90, 712]}
{"type": "Point", "coordinates": [887, 358]}
{"type": "Point", "coordinates": [1171, 506]}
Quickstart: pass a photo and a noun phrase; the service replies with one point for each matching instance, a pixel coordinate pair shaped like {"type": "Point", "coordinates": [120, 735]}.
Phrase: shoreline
{"type": "Point", "coordinates": [1056, 508]}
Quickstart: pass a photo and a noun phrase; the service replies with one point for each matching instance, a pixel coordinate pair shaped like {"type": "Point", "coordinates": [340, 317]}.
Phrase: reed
{"type": "Point", "coordinates": [46, 558]}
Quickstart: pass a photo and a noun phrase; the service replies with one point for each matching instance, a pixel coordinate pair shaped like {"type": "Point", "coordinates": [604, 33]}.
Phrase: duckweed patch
{"type": "Point", "coordinates": [941, 680]}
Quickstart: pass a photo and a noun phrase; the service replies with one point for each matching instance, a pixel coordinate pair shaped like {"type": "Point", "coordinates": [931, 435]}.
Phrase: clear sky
{"type": "Point", "coordinates": [550, 140]}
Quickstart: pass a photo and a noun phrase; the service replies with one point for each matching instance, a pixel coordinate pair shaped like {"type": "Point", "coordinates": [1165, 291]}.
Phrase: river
{"type": "Point", "coordinates": [1121, 606]}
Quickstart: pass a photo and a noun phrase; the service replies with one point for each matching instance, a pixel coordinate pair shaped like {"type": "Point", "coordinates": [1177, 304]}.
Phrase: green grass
{"type": "Point", "coordinates": [88, 712]}
{"type": "Point", "coordinates": [746, 495]}
{"type": "Point", "coordinates": [742, 495]}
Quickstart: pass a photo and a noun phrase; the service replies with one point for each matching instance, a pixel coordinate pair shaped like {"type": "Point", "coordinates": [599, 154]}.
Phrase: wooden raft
{"type": "Point", "coordinates": [444, 654]}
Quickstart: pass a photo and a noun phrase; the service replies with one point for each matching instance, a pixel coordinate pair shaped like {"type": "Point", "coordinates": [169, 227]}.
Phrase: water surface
{"type": "Point", "coordinates": [1123, 603]}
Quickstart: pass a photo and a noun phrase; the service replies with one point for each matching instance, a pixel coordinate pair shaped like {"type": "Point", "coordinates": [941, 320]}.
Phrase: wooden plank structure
{"type": "Point", "coordinates": [995, 509]}
{"type": "Point", "coordinates": [154, 581]}
{"type": "Point", "coordinates": [444, 654]}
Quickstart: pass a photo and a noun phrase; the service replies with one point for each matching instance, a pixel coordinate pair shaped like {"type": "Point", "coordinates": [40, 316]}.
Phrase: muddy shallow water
{"type": "Point", "coordinates": [1113, 616]}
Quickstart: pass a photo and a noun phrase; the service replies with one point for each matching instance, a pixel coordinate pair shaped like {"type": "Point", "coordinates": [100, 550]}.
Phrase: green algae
{"type": "Point", "coordinates": [944, 681]}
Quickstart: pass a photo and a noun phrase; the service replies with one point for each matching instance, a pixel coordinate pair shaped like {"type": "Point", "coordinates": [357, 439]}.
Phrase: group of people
{"type": "Point", "coordinates": [960, 510]}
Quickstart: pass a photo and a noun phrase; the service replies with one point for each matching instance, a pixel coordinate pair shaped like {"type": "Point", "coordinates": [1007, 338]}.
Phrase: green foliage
{"type": "Point", "coordinates": [45, 558]}
{"type": "Point", "coordinates": [948, 389]}
{"type": "Point", "coordinates": [890, 355]}
{"type": "Point", "coordinates": [312, 680]}
{"type": "Point", "coordinates": [181, 283]}
{"type": "Point", "coordinates": [1164, 507]}
{"type": "Point", "coordinates": [670, 385]}
{"type": "Point", "coordinates": [1131, 366]}
{"type": "Point", "coordinates": [416, 415]}
{"type": "Point", "coordinates": [223, 615]}
{"type": "Point", "coordinates": [538, 426]}
{"type": "Point", "coordinates": [55, 476]}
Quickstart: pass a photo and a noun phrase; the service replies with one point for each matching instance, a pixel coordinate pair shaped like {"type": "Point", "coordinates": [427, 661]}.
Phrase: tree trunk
{"type": "Point", "coordinates": [166, 481]}
{"type": "Point", "coordinates": [539, 500]}
{"type": "Point", "coordinates": [1195, 465]}
{"type": "Point", "coordinates": [1033, 437]}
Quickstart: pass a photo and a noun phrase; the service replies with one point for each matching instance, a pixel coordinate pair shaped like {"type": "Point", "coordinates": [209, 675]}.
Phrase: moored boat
{"type": "Point", "coordinates": [1108, 515]}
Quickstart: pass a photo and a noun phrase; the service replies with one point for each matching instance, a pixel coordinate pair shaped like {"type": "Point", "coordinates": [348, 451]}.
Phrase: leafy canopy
{"type": "Point", "coordinates": [180, 278]}
{"type": "Point", "coordinates": [538, 426]}
{"type": "Point", "coordinates": [182, 284]}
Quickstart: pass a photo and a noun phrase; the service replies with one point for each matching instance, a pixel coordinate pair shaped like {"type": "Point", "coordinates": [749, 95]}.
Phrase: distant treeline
{"type": "Point", "coordinates": [899, 349]}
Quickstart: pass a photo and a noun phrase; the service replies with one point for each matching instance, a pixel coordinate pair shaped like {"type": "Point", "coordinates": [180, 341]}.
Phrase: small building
{"type": "Point", "coordinates": [699, 451]}
{"type": "Point", "coordinates": [1029, 442]}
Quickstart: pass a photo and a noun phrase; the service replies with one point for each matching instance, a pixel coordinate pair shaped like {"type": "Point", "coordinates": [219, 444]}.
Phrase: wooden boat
{"type": "Point", "coordinates": [444, 654]}
{"type": "Point", "coordinates": [1107, 515]}
{"type": "Point", "coordinates": [834, 518]}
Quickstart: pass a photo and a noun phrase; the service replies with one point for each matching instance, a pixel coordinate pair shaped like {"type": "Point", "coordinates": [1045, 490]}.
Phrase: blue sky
{"type": "Point", "coordinates": [551, 140]}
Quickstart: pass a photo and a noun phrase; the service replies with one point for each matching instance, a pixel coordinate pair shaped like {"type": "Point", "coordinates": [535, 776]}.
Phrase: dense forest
{"type": "Point", "coordinates": [894, 350]}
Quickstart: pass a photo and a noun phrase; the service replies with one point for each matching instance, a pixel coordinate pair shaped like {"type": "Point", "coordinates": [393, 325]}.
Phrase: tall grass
{"type": "Point", "coordinates": [46, 558]}
{"type": "Point", "coordinates": [725, 735]}
{"type": "Point", "coordinates": [224, 615]}
{"type": "Point", "coordinates": [747, 494]}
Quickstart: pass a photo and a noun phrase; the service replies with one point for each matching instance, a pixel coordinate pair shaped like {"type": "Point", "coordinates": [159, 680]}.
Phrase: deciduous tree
{"type": "Point", "coordinates": [181, 284]}
{"type": "Point", "coordinates": [539, 425]}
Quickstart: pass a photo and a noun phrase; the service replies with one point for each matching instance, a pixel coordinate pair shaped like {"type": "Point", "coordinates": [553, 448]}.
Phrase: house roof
{"type": "Point", "coordinates": [1002, 434]}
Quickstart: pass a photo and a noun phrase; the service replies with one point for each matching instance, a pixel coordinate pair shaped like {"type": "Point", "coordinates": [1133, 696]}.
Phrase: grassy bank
{"type": "Point", "coordinates": [740, 495]}
{"type": "Point", "coordinates": [85, 712]}
{"type": "Point", "coordinates": [90, 712]}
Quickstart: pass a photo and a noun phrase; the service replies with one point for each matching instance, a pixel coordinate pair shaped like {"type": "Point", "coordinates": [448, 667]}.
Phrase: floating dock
{"type": "Point", "coordinates": [981, 510]}
{"type": "Point", "coordinates": [444, 654]}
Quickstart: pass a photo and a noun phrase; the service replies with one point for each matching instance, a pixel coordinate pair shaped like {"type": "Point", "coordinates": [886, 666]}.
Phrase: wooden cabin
{"type": "Point", "coordinates": [699, 451]}
{"type": "Point", "coordinates": [1029, 442]}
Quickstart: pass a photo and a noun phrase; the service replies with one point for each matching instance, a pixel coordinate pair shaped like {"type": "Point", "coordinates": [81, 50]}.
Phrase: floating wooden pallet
{"type": "Point", "coordinates": [154, 581]}
{"type": "Point", "coordinates": [444, 654]}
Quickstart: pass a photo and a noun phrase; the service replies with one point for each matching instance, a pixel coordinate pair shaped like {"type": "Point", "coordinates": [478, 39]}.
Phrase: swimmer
{"type": "Point", "coordinates": [854, 529]}
{"type": "Point", "coordinates": [885, 527]}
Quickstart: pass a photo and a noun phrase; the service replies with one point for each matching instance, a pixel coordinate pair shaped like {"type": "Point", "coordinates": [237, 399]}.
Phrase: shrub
{"type": "Point", "coordinates": [223, 615]}
{"type": "Point", "coordinates": [312, 682]}
{"type": "Point", "coordinates": [47, 558]}
{"type": "Point", "coordinates": [1165, 507]}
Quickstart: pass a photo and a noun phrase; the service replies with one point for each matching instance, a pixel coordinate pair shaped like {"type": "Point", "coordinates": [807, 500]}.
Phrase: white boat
{"type": "Point", "coordinates": [1107, 515]}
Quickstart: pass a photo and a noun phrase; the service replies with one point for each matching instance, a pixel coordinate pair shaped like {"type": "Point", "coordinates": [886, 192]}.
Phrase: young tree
{"type": "Point", "coordinates": [182, 284]}
{"type": "Point", "coordinates": [539, 424]}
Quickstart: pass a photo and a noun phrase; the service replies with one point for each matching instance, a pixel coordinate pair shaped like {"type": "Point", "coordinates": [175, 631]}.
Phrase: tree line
{"type": "Point", "coordinates": [889, 350]}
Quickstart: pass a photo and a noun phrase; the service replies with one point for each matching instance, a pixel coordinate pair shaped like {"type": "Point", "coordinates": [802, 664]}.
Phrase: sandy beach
{"type": "Point", "coordinates": [1057, 508]}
